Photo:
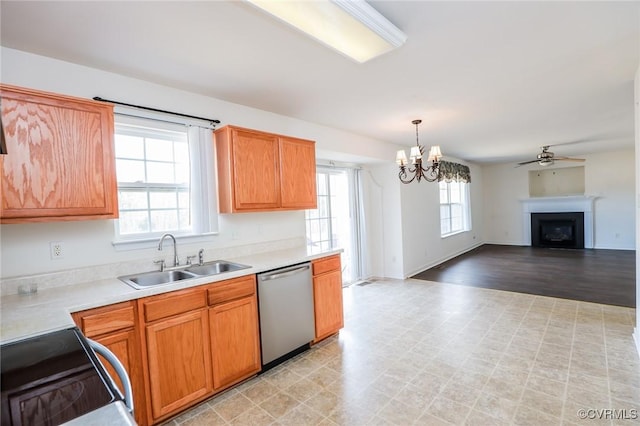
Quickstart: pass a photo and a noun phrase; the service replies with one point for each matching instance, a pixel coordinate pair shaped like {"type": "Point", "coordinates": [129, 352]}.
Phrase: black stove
{"type": "Point", "coordinates": [50, 379]}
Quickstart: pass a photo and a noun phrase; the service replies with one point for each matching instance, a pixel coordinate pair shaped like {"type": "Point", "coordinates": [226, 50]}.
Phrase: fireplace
{"type": "Point", "coordinates": [565, 204]}
{"type": "Point", "coordinates": [557, 230]}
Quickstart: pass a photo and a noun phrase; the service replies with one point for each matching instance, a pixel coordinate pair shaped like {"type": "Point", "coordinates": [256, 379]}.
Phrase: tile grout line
{"type": "Point", "coordinates": [519, 401]}
{"type": "Point", "coordinates": [566, 385]}
{"type": "Point", "coordinates": [501, 356]}
{"type": "Point", "coordinates": [606, 359]}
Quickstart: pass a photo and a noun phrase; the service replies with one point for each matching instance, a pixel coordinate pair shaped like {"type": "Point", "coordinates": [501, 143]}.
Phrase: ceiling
{"type": "Point", "coordinates": [492, 81]}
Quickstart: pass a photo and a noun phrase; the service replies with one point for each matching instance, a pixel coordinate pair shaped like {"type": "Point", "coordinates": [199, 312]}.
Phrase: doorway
{"type": "Point", "coordinates": [336, 221]}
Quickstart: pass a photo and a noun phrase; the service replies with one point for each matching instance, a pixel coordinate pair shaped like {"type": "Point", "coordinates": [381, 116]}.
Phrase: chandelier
{"type": "Point", "coordinates": [430, 174]}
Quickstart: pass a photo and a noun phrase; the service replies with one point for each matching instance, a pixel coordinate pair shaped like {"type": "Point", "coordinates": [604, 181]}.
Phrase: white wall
{"type": "Point", "coordinates": [610, 176]}
{"type": "Point", "coordinates": [422, 245]}
{"type": "Point", "coordinates": [25, 248]}
{"type": "Point", "coordinates": [384, 229]}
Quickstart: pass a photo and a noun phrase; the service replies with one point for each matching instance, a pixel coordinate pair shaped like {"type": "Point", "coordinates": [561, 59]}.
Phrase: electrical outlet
{"type": "Point", "coordinates": [57, 249]}
{"type": "Point", "coordinates": [29, 288]}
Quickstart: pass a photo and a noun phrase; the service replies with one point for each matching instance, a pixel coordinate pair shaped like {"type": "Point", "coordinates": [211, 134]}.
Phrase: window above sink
{"type": "Point", "coordinates": [165, 179]}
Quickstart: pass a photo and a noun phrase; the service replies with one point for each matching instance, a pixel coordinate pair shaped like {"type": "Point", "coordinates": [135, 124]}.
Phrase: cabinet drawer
{"type": "Point", "coordinates": [166, 305]}
{"type": "Point", "coordinates": [224, 291]}
{"type": "Point", "coordinates": [108, 319]}
{"type": "Point", "coordinates": [326, 264]}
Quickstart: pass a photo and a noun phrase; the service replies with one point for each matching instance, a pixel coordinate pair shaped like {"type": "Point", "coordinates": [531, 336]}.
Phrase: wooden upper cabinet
{"type": "Point", "coordinates": [60, 163]}
{"type": "Point", "coordinates": [248, 168]}
{"type": "Point", "coordinates": [260, 171]}
{"type": "Point", "coordinates": [298, 173]}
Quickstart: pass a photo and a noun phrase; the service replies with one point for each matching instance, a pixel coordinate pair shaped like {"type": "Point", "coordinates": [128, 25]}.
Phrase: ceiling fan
{"type": "Point", "coordinates": [546, 158]}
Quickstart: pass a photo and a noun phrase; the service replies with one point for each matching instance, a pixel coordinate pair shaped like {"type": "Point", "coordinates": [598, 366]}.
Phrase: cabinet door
{"type": "Point", "coordinates": [115, 327]}
{"type": "Point", "coordinates": [256, 171]}
{"type": "Point", "coordinates": [179, 362]}
{"type": "Point", "coordinates": [298, 173]}
{"type": "Point", "coordinates": [235, 341]}
{"type": "Point", "coordinates": [60, 163]}
{"type": "Point", "coordinates": [124, 346]}
{"type": "Point", "coordinates": [327, 298]}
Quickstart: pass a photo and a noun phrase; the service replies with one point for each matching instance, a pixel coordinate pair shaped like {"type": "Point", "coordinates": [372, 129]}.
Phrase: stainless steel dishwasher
{"type": "Point", "coordinates": [287, 324]}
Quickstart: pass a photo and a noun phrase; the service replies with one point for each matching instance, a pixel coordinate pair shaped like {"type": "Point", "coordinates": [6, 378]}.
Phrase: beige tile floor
{"type": "Point", "coordinates": [417, 352]}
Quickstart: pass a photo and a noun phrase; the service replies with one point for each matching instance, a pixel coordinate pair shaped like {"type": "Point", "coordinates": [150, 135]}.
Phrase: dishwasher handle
{"type": "Point", "coordinates": [284, 273]}
{"type": "Point", "coordinates": [119, 368]}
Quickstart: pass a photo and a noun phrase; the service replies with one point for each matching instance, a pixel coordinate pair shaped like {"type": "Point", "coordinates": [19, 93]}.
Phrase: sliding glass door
{"type": "Point", "coordinates": [335, 223]}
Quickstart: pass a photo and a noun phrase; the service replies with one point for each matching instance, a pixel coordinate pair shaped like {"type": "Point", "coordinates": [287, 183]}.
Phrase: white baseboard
{"type": "Point", "coordinates": [442, 260]}
{"type": "Point", "coordinates": [636, 337]}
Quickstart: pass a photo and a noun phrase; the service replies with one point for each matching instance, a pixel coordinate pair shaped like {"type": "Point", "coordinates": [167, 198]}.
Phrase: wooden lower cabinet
{"type": "Point", "coordinates": [176, 351]}
{"type": "Point", "coordinates": [199, 341]}
{"type": "Point", "coordinates": [235, 341]}
{"type": "Point", "coordinates": [181, 347]}
{"type": "Point", "coordinates": [123, 347]}
{"type": "Point", "coordinates": [327, 296]}
{"type": "Point", "coordinates": [115, 327]}
{"type": "Point", "coordinates": [179, 362]}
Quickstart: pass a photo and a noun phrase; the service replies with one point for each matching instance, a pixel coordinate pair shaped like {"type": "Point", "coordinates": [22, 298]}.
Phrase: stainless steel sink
{"type": "Point", "coordinates": [150, 279]}
{"type": "Point", "coordinates": [216, 267]}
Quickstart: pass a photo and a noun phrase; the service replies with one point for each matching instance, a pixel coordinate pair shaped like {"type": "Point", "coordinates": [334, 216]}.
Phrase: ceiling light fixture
{"type": "Point", "coordinates": [352, 27]}
{"type": "Point", "coordinates": [430, 174]}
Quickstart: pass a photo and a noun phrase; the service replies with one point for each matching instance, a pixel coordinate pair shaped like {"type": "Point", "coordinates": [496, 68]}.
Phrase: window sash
{"type": "Point", "coordinates": [454, 208]}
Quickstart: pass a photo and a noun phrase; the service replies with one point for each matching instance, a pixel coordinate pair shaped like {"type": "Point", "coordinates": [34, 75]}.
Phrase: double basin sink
{"type": "Point", "coordinates": [152, 279]}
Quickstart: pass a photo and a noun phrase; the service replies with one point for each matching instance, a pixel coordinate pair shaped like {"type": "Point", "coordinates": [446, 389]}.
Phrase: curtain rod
{"type": "Point", "coordinates": [210, 120]}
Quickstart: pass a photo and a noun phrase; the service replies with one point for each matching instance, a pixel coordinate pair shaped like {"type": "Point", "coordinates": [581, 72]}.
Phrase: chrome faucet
{"type": "Point", "coordinates": [176, 261]}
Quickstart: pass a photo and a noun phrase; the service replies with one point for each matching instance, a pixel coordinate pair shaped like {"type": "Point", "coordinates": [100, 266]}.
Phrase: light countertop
{"type": "Point", "coordinates": [49, 310]}
{"type": "Point", "coordinates": [114, 414]}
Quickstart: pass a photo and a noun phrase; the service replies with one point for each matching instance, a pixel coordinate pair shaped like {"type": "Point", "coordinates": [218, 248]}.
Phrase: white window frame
{"type": "Point", "coordinates": [203, 195]}
{"type": "Point", "coordinates": [351, 257]}
{"type": "Point", "coordinates": [326, 241]}
{"type": "Point", "coordinates": [464, 204]}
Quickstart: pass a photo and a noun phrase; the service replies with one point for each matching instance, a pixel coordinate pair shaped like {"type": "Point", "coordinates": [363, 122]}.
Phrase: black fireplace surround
{"type": "Point", "coordinates": [557, 230]}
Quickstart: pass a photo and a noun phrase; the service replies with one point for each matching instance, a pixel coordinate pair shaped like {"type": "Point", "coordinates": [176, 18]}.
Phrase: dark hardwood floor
{"type": "Point", "coordinates": [591, 275]}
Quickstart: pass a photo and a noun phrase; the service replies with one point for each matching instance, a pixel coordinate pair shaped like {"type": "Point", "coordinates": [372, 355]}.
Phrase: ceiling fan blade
{"type": "Point", "coordinates": [527, 162]}
{"type": "Point", "coordinates": [569, 159]}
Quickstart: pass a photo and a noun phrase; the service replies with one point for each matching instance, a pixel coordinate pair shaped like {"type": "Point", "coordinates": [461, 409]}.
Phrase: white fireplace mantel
{"type": "Point", "coordinates": [569, 203]}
